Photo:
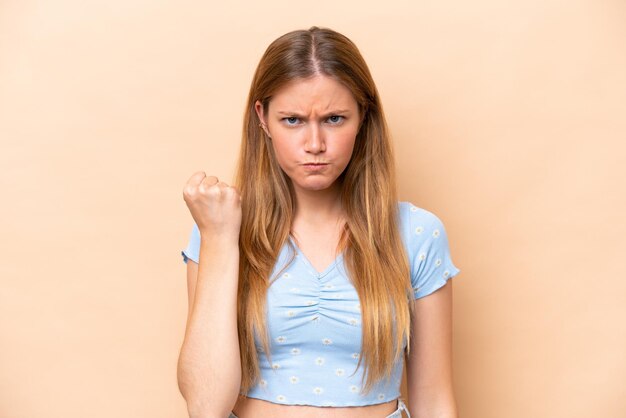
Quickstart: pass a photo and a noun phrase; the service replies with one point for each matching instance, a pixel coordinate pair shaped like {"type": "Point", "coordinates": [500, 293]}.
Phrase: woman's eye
{"type": "Point", "coordinates": [291, 120]}
{"type": "Point", "coordinates": [335, 119]}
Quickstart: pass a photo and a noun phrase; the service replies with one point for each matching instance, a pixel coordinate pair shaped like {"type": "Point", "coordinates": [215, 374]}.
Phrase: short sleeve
{"type": "Point", "coordinates": [428, 250]}
{"type": "Point", "coordinates": [192, 251]}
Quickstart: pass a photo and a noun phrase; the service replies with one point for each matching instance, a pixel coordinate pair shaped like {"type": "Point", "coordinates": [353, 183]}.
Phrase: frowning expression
{"type": "Point", "coordinates": [313, 125]}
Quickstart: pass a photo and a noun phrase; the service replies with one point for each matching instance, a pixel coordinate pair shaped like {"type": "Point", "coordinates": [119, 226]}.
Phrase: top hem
{"type": "Point", "coordinates": [325, 405]}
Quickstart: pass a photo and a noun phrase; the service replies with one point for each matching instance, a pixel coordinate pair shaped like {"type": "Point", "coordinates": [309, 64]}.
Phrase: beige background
{"type": "Point", "coordinates": [509, 121]}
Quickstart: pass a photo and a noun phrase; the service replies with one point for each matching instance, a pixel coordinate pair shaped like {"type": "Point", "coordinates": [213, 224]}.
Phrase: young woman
{"type": "Point", "coordinates": [310, 284]}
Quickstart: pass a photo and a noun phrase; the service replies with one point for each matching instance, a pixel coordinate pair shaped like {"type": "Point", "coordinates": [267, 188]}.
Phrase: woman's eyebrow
{"type": "Point", "coordinates": [332, 112]}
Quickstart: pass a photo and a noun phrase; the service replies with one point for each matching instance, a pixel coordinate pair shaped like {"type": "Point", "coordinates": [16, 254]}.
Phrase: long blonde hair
{"type": "Point", "coordinates": [375, 257]}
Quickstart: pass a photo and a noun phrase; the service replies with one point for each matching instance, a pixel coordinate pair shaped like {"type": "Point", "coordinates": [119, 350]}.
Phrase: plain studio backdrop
{"type": "Point", "coordinates": [508, 121]}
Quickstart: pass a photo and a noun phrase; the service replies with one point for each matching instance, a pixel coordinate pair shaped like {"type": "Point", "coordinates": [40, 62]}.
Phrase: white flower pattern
{"type": "Point", "coordinates": [309, 308]}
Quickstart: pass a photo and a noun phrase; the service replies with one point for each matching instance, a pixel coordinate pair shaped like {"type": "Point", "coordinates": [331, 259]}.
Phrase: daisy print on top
{"type": "Point", "coordinates": [314, 319]}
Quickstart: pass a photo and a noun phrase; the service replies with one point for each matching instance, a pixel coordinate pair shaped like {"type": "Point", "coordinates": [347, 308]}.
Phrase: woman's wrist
{"type": "Point", "coordinates": [219, 239]}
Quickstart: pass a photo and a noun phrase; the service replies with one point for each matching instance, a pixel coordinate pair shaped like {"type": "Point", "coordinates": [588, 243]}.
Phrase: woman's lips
{"type": "Point", "coordinates": [315, 166]}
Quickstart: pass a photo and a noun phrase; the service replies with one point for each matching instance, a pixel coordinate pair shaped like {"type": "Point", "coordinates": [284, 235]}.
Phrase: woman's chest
{"type": "Point", "coordinates": [306, 307]}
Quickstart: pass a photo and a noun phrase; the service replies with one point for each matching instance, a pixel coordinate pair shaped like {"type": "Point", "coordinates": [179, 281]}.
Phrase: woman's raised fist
{"type": "Point", "coordinates": [215, 206]}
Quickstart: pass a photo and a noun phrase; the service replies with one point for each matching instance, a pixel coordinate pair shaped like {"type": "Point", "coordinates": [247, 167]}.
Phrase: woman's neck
{"type": "Point", "coordinates": [321, 206]}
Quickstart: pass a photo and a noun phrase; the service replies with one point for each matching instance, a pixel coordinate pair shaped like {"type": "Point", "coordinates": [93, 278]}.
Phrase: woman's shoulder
{"type": "Point", "coordinates": [419, 227]}
{"type": "Point", "coordinates": [414, 216]}
{"type": "Point", "coordinates": [427, 248]}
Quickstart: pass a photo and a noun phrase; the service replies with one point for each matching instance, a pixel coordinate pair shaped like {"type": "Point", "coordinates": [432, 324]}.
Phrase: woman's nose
{"type": "Point", "coordinates": [315, 142]}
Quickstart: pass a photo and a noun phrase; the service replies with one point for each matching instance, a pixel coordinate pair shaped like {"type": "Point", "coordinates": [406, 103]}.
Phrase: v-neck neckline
{"type": "Point", "coordinates": [308, 263]}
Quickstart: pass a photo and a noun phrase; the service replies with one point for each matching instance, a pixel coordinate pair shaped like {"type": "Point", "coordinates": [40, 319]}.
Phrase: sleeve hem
{"type": "Point", "coordinates": [187, 257]}
{"type": "Point", "coordinates": [419, 293]}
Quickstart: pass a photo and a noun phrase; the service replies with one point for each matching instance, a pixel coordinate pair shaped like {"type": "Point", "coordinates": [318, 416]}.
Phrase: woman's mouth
{"type": "Point", "coordinates": [315, 166]}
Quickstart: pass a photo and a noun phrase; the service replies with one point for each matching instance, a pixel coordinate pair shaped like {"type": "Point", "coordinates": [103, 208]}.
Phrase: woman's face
{"type": "Point", "coordinates": [313, 125]}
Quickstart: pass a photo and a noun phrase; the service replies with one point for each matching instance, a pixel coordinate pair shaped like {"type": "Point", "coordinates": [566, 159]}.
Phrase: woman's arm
{"type": "Point", "coordinates": [429, 364]}
{"type": "Point", "coordinates": [209, 367]}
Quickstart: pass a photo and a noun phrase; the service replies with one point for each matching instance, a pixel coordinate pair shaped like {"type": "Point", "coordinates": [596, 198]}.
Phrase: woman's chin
{"type": "Point", "coordinates": [315, 186]}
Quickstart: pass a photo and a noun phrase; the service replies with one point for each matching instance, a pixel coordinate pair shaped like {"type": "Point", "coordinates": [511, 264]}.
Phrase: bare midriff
{"type": "Point", "coordinates": [258, 408]}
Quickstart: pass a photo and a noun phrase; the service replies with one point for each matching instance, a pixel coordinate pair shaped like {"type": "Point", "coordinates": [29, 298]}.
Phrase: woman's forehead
{"type": "Point", "coordinates": [319, 93]}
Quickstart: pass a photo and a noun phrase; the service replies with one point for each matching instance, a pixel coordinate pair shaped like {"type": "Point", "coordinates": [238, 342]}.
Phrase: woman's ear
{"type": "Point", "coordinates": [258, 107]}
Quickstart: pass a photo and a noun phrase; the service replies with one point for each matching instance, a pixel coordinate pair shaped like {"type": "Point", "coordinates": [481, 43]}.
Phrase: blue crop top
{"type": "Point", "coordinates": [314, 320]}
